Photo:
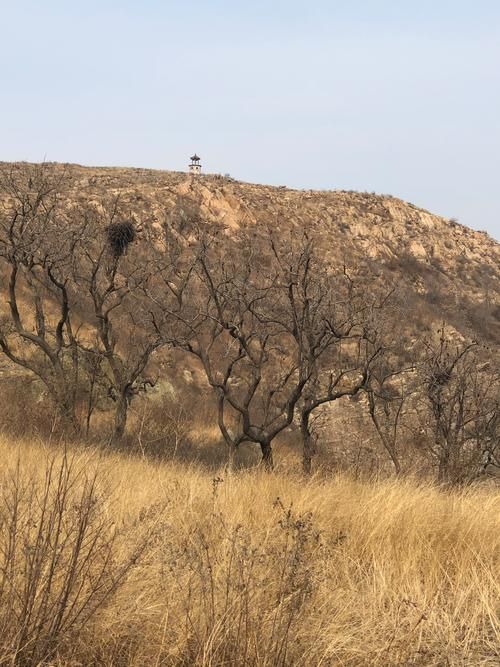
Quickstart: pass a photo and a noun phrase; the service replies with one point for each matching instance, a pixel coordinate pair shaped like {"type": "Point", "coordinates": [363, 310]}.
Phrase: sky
{"type": "Point", "coordinates": [396, 97]}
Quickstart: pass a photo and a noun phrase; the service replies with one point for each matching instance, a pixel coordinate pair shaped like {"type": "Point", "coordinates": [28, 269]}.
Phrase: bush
{"type": "Point", "coordinates": [232, 587]}
{"type": "Point", "coordinates": [25, 410]}
{"type": "Point", "coordinates": [58, 559]}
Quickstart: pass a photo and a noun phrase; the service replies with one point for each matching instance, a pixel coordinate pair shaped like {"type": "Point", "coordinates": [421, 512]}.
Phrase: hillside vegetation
{"type": "Point", "coordinates": [166, 564]}
{"type": "Point", "coordinates": [356, 326]}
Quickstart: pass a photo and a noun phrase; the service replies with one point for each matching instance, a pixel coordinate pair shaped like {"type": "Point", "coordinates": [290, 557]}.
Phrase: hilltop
{"type": "Point", "coordinates": [452, 271]}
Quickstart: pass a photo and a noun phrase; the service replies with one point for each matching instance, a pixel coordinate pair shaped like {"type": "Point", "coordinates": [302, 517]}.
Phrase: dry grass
{"type": "Point", "coordinates": [259, 569]}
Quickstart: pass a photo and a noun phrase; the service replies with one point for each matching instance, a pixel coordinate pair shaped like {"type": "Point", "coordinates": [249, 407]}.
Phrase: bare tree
{"type": "Point", "coordinates": [388, 390]}
{"type": "Point", "coordinates": [232, 315]}
{"type": "Point", "coordinates": [333, 324]}
{"type": "Point", "coordinates": [273, 331]}
{"type": "Point", "coordinates": [460, 407]}
{"type": "Point", "coordinates": [113, 273]}
{"type": "Point", "coordinates": [36, 249]}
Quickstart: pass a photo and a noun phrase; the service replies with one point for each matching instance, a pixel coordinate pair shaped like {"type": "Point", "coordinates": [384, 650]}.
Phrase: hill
{"type": "Point", "coordinates": [452, 270]}
{"type": "Point", "coordinates": [438, 270]}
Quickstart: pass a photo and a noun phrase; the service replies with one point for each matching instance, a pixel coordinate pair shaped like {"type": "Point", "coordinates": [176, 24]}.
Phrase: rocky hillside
{"type": "Point", "coordinates": [449, 271]}
{"type": "Point", "coordinates": [441, 271]}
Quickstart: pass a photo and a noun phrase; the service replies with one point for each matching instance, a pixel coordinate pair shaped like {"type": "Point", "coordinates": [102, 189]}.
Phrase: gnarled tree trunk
{"type": "Point", "coordinates": [267, 455]}
{"type": "Point", "coordinates": [308, 444]}
{"type": "Point", "coordinates": [121, 413]}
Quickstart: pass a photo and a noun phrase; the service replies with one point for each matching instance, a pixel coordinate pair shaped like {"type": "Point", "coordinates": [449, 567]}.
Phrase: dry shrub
{"type": "Point", "coordinates": [58, 559]}
{"type": "Point", "coordinates": [24, 410]}
{"type": "Point", "coordinates": [162, 428]}
{"type": "Point", "coordinates": [239, 596]}
{"type": "Point", "coordinates": [484, 317]}
{"type": "Point", "coordinates": [169, 429]}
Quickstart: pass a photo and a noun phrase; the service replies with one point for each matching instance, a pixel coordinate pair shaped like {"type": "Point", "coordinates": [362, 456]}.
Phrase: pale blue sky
{"type": "Point", "coordinates": [399, 97]}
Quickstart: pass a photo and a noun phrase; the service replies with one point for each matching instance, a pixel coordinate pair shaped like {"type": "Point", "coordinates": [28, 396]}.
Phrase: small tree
{"type": "Point", "coordinates": [234, 317]}
{"type": "Point", "coordinates": [36, 249]}
{"type": "Point", "coordinates": [114, 276]}
{"type": "Point", "coordinates": [460, 411]}
{"type": "Point", "coordinates": [388, 391]}
{"type": "Point", "coordinates": [333, 325]}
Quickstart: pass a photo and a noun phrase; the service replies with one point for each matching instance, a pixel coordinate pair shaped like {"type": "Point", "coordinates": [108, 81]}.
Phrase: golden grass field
{"type": "Point", "coordinates": [245, 568]}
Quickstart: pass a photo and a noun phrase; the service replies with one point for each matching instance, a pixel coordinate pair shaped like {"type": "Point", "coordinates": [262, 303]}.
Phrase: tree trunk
{"type": "Point", "coordinates": [267, 456]}
{"type": "Point", "coordinates": [308, 445]}
{"type": "Point", "coordinates": [69, 421]}
{"type": "Point", "coordinates": [231, 456]}
{"type": "Point", "coordinates": [444, 467]}
{"type": "Point", "coordinates": [66, 410]}
{"type": "Point", "coordinates": [121, 414]}
{"type": "Point", "coordinates": [90, 407]}
{"type": "Point", "coordinates": [449, 464]}
{"type": "Point", "coordinates": [388, 443]}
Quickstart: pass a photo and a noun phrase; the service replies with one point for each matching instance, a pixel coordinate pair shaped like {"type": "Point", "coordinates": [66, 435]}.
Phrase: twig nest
{"type": "Point", "coordinates": [120, 235]}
